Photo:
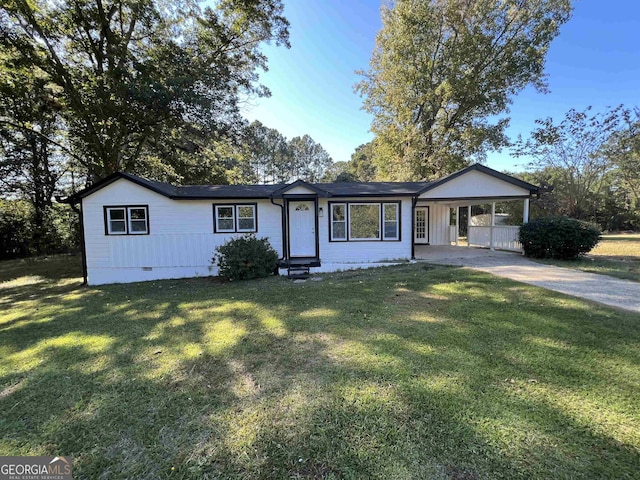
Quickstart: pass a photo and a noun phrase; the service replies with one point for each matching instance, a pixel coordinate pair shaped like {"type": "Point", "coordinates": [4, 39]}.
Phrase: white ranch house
{"type": "Point", "coordinates": [136, 229]}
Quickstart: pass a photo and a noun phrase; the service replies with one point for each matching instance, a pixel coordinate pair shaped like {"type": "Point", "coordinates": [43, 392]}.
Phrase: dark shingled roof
{"type": "Point", "coordinates": [346, 189]}
{"type": "Point", "coordinates": [371, 189]}
{"type": "Point", "coordinates": [225, 191]}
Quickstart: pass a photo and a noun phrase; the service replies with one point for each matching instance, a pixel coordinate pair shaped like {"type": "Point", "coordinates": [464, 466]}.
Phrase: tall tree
{"type": "Point", "coordinates": [442, 70]}
{"type": "Point", "coordinates": [623, 151]}
{"type": "Point", "coordinates": [267, 154]}
{"type": "Point", "coordinates": [573, 152]}
{"type": "Point", "coordinates": [362, 166]}
{"type": "Point", "coordinates": [32, 145]}
{"type": "Point", "coordinates": [138, 77]}
{"type": "Point", "coordinates": [310, 159]}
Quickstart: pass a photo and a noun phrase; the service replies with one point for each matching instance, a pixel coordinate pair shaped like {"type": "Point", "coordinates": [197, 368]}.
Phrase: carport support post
{"type": "Point", "coordinates": [468, 225]}
{"type": "Point", "coordinates": [525, 212]}
{"type": "Point", "coordinates": [457, 224]}
{"type": "Point", "coordinates": [493, 223]}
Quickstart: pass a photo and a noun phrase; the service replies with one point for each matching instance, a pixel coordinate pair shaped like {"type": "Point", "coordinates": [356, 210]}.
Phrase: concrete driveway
{"type": "Point", "coordinates": [611, 291]}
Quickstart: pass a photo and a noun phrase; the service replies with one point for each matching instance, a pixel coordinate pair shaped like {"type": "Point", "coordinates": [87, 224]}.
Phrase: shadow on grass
{"type": "Point", "coordinates": [407, 372]}
{"type": "Point", "coordinates": [52, 267]}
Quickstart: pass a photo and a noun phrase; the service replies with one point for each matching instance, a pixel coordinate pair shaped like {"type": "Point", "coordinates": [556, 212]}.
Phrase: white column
{"type": "Point", "coordinates": [493, 224]}
{"type": "Point", "coordinates": [525, 214]}
{"type": "Point", "coordinates": [468, 224]}
{"type": "Point", "coordinates": [457, 224]}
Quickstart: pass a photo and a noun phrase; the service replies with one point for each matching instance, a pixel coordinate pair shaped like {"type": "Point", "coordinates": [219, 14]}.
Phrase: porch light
{"type": "Point", "coordinates": [320, 212]}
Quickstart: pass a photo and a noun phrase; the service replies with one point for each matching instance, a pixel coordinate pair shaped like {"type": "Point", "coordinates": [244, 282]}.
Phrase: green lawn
{"type": "Point", "coordinates": [616, 255]}
{"type": "Point", "coordinates": [415, 371]}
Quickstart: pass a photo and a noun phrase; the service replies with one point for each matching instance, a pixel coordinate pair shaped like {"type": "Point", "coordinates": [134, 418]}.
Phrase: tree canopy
{"type": "Point", "coordinates": [443, 70]}
{"type": "Point", "coordinates": [144, 79]}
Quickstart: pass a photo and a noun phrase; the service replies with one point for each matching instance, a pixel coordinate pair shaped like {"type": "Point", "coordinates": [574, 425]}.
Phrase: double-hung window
{"type": "Point", "coordinates": [364, 221]}
{"type": "Point", "coordinates": [339, 222]}
{"type": "Point", "coordinates": [127, 220]}
{"type": "Point", "coordinates": [391, 220]}
{"type": "Point", "coordinates": [246, 218]}
{"type": "Point", "coordinates": [235, 218]}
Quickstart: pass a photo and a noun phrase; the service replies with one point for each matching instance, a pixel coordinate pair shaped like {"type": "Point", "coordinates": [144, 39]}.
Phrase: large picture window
{"type": "Point", "coordinates": [364, 221]}
{"type": "Point", "coordinates": [235, 218]}
{"type": "Point", "coordinates": [126, 220]}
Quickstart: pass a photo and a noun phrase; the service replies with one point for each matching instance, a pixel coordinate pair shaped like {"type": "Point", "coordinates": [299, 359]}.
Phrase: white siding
{"type": "Point", "coordinates": [300, 190]}
{"type": "Point", "coordinates": [181, 240]}
{"type": "Point", "coordinates": [438, 224]}
{"type": "Point", "coordinates": [365, 251]}
{"type": "Point", "coordinates": [475, 184]}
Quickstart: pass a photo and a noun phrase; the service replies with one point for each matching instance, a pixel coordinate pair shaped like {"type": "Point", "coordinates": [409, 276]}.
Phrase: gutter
{"type": "Point", "coordinates": [414, 202]}
{"type": "Point", "coordinates": [71, 201]}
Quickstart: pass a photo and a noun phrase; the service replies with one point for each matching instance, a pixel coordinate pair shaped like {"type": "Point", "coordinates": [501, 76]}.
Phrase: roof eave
{"type": "Point", "coordinates": [279, 193]}
{"type": "Point", "coordinates": [533, 189]}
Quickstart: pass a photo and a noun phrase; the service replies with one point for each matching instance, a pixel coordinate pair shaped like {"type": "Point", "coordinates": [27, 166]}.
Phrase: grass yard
{"type": "Point", "coordinates": [616, 255]}
{"type": "Point", "coordinates": [415, 371]}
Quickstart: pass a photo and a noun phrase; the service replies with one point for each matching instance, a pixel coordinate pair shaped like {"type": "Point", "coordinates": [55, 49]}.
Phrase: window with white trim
{"type": "Point", "coordinates": [364, 221]}
{"type": "Point", "coordinates": [138, 224]}
{"type": "Point", "coordinates": [339, 222]}
{"type": "Point", "coordinates": [246, 218]}
{"type": "Point", "coordinates": [127, 220]}
{"type": "Point", "coordinates": [235, 218]}
{"type": "Point", "coordinates": [225, 218]}
{"type": "Point", "coordinates": [390, 229]}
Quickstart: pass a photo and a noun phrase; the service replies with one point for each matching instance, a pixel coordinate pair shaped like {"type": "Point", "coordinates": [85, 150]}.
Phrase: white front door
{"type": "Point", "coordinates": [421, 231]}
{"type": "Point", "coordinates": [302, 228]}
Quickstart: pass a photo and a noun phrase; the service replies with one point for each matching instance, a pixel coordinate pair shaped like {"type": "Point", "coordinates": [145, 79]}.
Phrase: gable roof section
{"type": "Point", "coordinates": [489, 171]}
{"type": "Point", "coordinates": [301, 183]}
{"type": "Point", "coordinates": [165, 189]}
{"type": "Point", "coordinates": [342, 189]}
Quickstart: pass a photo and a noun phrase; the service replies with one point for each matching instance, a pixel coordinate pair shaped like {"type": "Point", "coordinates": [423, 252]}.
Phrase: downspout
{"type": "Point", "coordinates": [83, 247]}
{"type": "Point", "coordinates": [282, 223]}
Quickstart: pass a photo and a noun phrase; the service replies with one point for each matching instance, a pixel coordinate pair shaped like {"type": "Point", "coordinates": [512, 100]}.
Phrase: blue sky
{"type": "Point", "coordinates": [594, 61]}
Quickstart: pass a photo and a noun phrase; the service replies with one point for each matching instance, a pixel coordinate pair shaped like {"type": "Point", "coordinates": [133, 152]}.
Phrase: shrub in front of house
{"type": "Point", "coordinates": [246, 257]}
{"type": "Point", "coordinates": [558, 237]}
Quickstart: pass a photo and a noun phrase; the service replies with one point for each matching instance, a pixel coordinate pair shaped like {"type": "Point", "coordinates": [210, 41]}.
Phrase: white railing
{"type": "Point", "coordinates": [505, 237]}
{"type": "Point", "coordinates": [453, 233]}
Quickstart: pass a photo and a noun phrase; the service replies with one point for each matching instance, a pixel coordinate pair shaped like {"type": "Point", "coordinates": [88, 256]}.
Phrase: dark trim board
{"type": "Point", "coordinates": [83, 244]}
{"type": "Point", "coordinates": [300, 261]}
{"type": "Point", "coordinates": [328, 190]}
{"type": "Point", "coordinates": [469, 199]}
{"type": "Point", "coordinates": [301, 183]}
{"type": "Point", "coordinates": [317, 233]}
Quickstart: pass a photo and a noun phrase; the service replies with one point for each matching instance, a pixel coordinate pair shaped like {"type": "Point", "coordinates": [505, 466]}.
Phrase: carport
{"type": "Point", "coordinates": [438, 207]}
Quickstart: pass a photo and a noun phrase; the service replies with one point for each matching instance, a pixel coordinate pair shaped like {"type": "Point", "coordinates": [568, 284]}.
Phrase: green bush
{"type": "Point", "coordinates": [246, 257]}
{"type": "Point", "coordinates": [558, 237]}
{"type": "Point", "coordinates": [20, 237]}
{"type": "Point", "coordinates": [16, 229]}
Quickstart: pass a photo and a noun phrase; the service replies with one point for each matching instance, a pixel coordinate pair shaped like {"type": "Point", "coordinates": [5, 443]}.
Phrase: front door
{"type": "Point", "coordinates": [302, 228]}
{"type": "Point", "coordinates": [421, 232]}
